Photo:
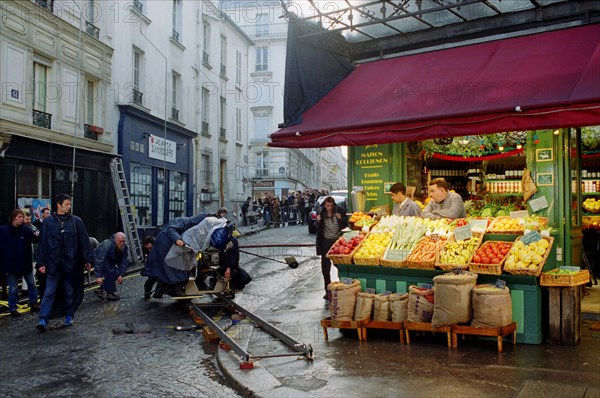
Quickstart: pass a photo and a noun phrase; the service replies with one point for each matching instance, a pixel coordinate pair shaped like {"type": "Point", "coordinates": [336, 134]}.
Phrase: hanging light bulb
{"type": "Point", "coordinates": [556, 132]}
{"type": "Point", "coordinates": [519, 146]}
{"type": "Point", "coordinates": [501, 148]}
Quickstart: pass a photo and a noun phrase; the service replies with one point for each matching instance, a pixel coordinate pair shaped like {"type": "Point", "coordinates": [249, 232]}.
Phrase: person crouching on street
{"type": "Point", "coordinates": [111, 265]}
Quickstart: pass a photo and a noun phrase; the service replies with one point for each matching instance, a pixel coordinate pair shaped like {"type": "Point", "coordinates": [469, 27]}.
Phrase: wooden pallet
{"type": "Point", "coordinates": [389, 325]}
{"type": "Point", "coordinates": [500, 332]}
{"type": "Point", "coordinates": [426, 327]}
{"type": "Point", "coordinates": [338, 324]}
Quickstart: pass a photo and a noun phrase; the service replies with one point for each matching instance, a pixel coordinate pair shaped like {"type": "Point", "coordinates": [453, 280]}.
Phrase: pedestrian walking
{"type": "Point", "coordinates": [245, 207]}
{"type": "Point", "coordinates": [64, 251]}
{"type": "Point", "coordinates": [16, 259]}
{"type": "Point", "coordinates": [111, 262]}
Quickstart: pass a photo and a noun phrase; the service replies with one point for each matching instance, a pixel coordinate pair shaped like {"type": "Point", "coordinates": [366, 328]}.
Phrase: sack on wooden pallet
{"type": "Point", "coordinates": [381, 308]}
{"type": "Point", "coordinates": [399, 306]}
{"type": "Point", "coordinates": [492, 306]}
{"type": "Point", "coordinates": [343, 299]}
{"type": "Point", "coordinates": [420, 304]}
{"type": "Point", "coordinates": [364, 306]}
{"type": "Point", "coordinates": [453, 298]}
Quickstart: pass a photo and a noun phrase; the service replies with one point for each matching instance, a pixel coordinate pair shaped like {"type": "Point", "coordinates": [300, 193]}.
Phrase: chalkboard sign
{"type": "Point", "coordinates": [463, 233]}
{"type": "Point", "coordinates": [370, 290]}
{"type": "Point", "coordinates": [531, 237]}
{"type": "Point", "coordinates": [347, 281]}
{"type": "Point", "coordinates": [500, 284]}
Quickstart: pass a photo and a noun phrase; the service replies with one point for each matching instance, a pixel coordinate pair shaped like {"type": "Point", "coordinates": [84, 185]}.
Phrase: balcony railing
{"type": "Point", "coordinates": [205, 126]}
{"type": "Point", "coordinates": [42, 119]}
{"type": "Point", "coordinates": [137, 97]}
{"type": "Point", "coordinates": [262, 173]}
{"type": "Point", "coordinates": [137, 4]}
{"type": "Point", "coordinates": [175, 35]}
{"type": "Point", "coordinates": [46, 4]}
{"type": "Point", "coordinates": [88, 133]}
{"type": "Point", "coordinates": [223, 70]}
{"type": "Point", "coordinates": [205, 58]}
{"type": "Point", "coordinates": [174, 113]}
{"type": "Point", "coordinates": [92, 30]}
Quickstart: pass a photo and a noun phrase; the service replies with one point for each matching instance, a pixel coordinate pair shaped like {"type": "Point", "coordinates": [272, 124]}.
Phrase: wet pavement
{"type": "Point", "coordinates": [88, 359]}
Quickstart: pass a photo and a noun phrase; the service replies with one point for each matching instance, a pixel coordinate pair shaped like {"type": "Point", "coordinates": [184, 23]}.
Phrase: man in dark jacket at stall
{"type": "Point", "coordinates": [168, 236]}
{"type": "Point", "coordinates": [64, 251]}
{"type": "Point", "coordinates": [110, 266]}
{"type": "Point", "coordinates": [15, 259]}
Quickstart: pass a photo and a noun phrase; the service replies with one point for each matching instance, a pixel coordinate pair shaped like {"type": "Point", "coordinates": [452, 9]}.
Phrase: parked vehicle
{"type": "Point", "coordinates": [340, 197]}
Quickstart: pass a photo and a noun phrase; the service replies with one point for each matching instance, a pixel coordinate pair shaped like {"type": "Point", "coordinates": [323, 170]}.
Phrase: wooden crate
{"type": "Point", "coordinates": [426, 327]}
{"type": "Point", "coordinates": [450, 267]}
{"type": "Point", "coordinates": [565, 280]}
{"type": "Point", "coordinates": [339, 324]}
{"type": "Point", "coordinates": [388, 325]}
{"type": "Point", "coordinates": [500, 332]}
{"type": "Point", "coordinates": [533, 271]}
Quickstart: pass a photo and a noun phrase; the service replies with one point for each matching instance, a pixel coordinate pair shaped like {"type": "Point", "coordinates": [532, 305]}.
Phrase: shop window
{"type": "Point", "coordinates": [160, 196]}
{"type": "Point", "coordinates": [141, 193]}
{"type": "Point", "coordinates": [177, 194]}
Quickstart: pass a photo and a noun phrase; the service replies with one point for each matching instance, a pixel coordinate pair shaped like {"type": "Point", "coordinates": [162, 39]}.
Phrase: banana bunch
{"type": "Point", "coordinates": [459, 252]}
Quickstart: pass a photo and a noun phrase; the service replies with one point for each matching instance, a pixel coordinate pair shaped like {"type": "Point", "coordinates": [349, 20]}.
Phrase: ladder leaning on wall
{"type": "Point", "coordinates": [120, 183]}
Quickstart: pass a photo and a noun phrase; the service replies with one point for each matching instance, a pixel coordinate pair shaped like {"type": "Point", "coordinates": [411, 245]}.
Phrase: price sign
{"type": "Point", "coordinates": [519, 214]}
{"type": "Point", "coordinates": [463, 233]}
{"type": "Point", "coordinates": [370, 290]}
{"type": "Point", "coordinates": [385, 293]}
{"type": "Point", "coordinates": [478, 225]}
{"type": "Point", "coordinates": [427, 286]}
{"type": "Point", "coordinates": [531, 237]}
{"type": "Point", "coordinates": [351, 234]}
{"type": "Point", "coordinates": [570, 268]}
{"type": "Point", "coordinates": [457, 271]}
{"type": "Point", "coordinates": [434, 237]}
{"type": "Point", "coordinates": [538, 204]}
{"type": "Point", "coordinates": [500, 284]}
{"type": "Point", "coordinates": [347, 281]}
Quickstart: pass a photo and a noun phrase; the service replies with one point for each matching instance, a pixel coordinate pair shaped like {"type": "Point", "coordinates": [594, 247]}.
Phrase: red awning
{"type": "Point", "coordinates": [540, 81]}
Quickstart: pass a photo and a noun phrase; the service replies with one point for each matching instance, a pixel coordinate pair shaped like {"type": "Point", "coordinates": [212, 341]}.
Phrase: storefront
{"type": "Point", "coordinates": [541, 88]}
{"type": "Point", "coordinates": [157, 159]}
{"type": "Point", "coordinates": [34, 171]}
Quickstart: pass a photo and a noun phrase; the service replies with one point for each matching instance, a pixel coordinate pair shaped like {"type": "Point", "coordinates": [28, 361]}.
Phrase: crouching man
{"type": "Point", "coordinates": [229, 253]}
{"type": "Point", "coordinates": [111, 265]}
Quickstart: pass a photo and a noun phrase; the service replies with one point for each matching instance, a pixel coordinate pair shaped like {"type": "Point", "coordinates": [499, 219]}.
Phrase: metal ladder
{"type": "Point", "coordinates": [127, 218]}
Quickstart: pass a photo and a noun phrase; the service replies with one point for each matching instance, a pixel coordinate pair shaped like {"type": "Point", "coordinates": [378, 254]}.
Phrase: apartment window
{"type": "Point", "coordinates": [262, 58]}
{"type": "Point", "coordinates": [205, 110]}
{"type": "Point", "coordinates": [141, 193]}
{"type": "Point", "coordinates": [137, 64]}
{"type": "Point", "coordinates": [206, 43]}
{"type": "Point", "coordinates": [40, 76]}
{"type": "Point", "coordinates": [238, 124]}
{"type": "Point", "coordinates": [90, 26]}
{"type": "Point", "coordinates": [262, 24]}
{"type": "Point", "coordinates": [262, 169]}
{"type": "Point", "coordinates": [175, 77]}
{"type": "Point", "coordinates": [222, 118]}
{"type": "Point", "coordinates": [223, 56]}
{"type": "Point", "coordinates": [177, 194]}
{"type": "Point", "coordinates": [238, 67]}
{"type": "Point", "coordinates": [206, 171]}
{"type": "Point", "coordinates": [176, 20]}
{"type": "Point", "coordinates": [261, 127]}
{"type": "Point", "coordinates": [90, 95]}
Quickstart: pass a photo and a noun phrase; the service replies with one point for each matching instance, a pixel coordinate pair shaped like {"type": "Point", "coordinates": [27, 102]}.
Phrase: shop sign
{"type": "Point", "coordinates": [162, 149]}
{"type": "Point", "coordinates": [264, 184]}
{"type": "Point", "coordinates": [372, 164]}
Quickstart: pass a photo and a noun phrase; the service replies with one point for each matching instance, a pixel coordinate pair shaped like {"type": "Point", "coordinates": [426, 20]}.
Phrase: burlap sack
{"type": "Point", "coordinates": [343, 299]}
{"type": "Point", "coordinates": [492, 307]}
{"type": "Point", "coordinates": [364, 306]}
{"type": "Point", "coordinates": [420, 304]}
{"type": "Point", "coordinates": [453, 298]}
{"type": "Point", "coordinates": [381, 308]}
{"type": "Point", "coordinates": [399, 306]}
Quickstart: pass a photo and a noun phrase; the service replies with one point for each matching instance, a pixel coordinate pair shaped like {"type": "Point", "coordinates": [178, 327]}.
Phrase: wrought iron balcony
{"type": "Point", "coordinates": [137, 4]}
{"type": "Point", "coordinates": [92, 30]}
{"type": "Point", "coordinates": [46, 4]}
{"type": "Point", "coordinates": [137, 97]}
{"type": "Point", "coordinates": [205, 126]}
{"type": "Point", "coordinates": [223, 70]}
{"type": "Point", "coordinates": [42, 119]}
{"type": "Point", "coordinates": [88, 133]}
{"type": "Point", "coordinates": [174, 113]}
{"type": "Point", "coordinates": [175, 35]}
{"type": "Point", "coordinates": [262, 173]}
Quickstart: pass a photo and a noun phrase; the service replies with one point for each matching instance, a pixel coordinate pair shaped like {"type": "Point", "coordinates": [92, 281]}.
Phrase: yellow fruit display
{"type": "Point", "coordinates": [522, 256]}
{"type": "Point", "coordinates": [507, 224]}
{"type": "Point", "coordinates": [373, 246]}
{"type": "Point", "coordinates": [592, 205]}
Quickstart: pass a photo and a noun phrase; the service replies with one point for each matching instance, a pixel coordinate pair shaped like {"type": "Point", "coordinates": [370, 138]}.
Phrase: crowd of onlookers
{"type": "Point", "coordinates": [278, 212]}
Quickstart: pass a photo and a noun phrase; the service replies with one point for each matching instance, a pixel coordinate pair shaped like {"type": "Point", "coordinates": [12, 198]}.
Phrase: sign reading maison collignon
{"type": "Point", "coordinates": [161, 149]}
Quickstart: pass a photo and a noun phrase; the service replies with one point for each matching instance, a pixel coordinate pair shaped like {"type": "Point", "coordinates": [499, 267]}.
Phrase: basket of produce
{"type": "Point", "coordinates": [591, 223]}
{"type": "Point", "coordinates": [371, 249]}
{"type": "Point", "coordinates": [528, 259]}
{"type": "Point", "coordinates": [507, 225]}
{"type": "Point", "coordinates": [425, 253]}
{"type": "Point", "coordinates": [407, 232]}
{"type": "Point", "coordinates": [359, 219]}
{"type": "Point", "coordinates": [342, 250]}
{"type": "Point", "coordinates": [489, 257]}
{"type": "Point", "coordinates": [395, 258]}
{"type": "Point", "coordinates": [591, 205]}
{"type": "Point", "coordinates": [564, 277]}
{"type": "Point", "coordinates": [457, 254]}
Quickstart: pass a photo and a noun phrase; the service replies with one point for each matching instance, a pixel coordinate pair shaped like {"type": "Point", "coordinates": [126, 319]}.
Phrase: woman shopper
{"type": "Point", "coordinates": [331, 219]}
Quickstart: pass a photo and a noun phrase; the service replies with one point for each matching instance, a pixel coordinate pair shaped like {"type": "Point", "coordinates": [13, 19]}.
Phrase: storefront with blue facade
{"type": "Point", "coordinates": [158, 163]}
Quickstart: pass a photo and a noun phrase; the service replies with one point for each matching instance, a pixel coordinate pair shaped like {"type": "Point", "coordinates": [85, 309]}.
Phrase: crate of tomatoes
{"type": "Point", "coordinates": [490, 257]}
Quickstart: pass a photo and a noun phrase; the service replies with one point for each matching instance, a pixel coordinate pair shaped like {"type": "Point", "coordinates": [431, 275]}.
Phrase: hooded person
{"type": "Point", "coordinates": [169, 235]}
{"type": "Point", "coordinates": [229, 258]}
